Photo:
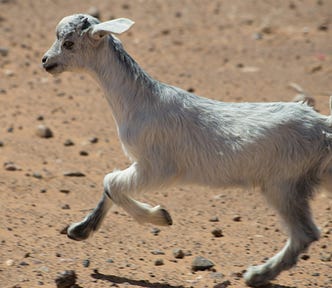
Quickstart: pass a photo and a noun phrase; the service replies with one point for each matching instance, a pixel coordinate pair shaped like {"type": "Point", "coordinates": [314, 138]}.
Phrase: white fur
{"type": "Point", "coordinates": [173, 136]}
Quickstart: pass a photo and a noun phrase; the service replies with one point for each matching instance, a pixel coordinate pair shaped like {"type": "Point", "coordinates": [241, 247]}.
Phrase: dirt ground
{"type": "Point", "coordinates": [227, 50]}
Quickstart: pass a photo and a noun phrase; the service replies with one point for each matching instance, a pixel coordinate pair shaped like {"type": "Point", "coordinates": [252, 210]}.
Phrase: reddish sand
{"type": "Point", "coordinates": [227, 50]}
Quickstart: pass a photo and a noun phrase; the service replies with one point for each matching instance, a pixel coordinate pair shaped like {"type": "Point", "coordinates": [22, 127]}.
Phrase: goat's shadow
{"type": "Point", "coordinates": [148, 284]}
{"type": "Point", "coordinates": [277, 286]}
{"type": "Point", "coordinates": [140, 283]}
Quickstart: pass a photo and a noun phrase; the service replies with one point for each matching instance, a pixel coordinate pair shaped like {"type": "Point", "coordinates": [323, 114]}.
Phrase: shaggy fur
{"type": "Point", "coordinates": [172, 136]}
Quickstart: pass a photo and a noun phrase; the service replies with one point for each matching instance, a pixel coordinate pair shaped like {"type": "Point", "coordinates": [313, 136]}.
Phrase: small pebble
{"type": "Point", "coordinates": [224, 284]}
{"type": "Point", "coordinates": [200, 264]}
{"type": "Point", "coordinates": [159, 262]}
{"type": "Point", "coordinates": [11, 166]}
{"type": "Point", "coordinates": [66, 279]}
{"type": "Point", "coordinates": [305, 257]}
{"type": "Point", "coordinates": [84, 153]}
{"type": "Point", "coordinates": [157, 252]}
{"type": "Point", "coordinates": [93, 140]}
{"type": "Point", "coordinates": [237, 218]}
{"type": "Point", "coordinates": [155, 231]}
{"type": "Point", "coordinates": [65, 191]}
{"type": "Point", "coordinates": [44, 131]}
{"type": "Point", "coordinates": [214, 219]}
{"type": "Point", "coordinates": [63, 231]}
{"type": "Point", "coordinates": [68, 142]}
{"type": "Point", "coordinates": [217, 233]}
{"type": "Point", "coordinates": [86, 263]}
{"type": "Point", "coordinates": [4, 51]}
{"type": "Point", "coordinates": [74, 174]}
{"type": "Point", "coordinates": [178, 253]}
{"type": "Point", "coordinates": [191, 90]}
{"type": "Point", "coordinates": [37, 175]}
{"type": "Point", "coordinates": [1, 144]}
{"type": "Point", "coordinates": [326, 257]}
{"type": "Point", "coordinates": [65, 207]}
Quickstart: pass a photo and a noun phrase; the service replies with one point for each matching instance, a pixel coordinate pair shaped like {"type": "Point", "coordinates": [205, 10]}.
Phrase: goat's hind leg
{"type": "Point", "coordinates": [292, 202]}
{"type": "Point", "coordinates": [82, 230]}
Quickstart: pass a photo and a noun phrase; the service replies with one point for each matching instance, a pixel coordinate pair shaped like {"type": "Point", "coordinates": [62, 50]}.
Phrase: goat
{"type": "Point", "coordinates": [173, 136]}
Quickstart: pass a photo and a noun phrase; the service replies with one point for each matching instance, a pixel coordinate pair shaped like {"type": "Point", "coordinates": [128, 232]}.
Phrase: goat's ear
{"type": "Point", "coordinates": [116, 26]}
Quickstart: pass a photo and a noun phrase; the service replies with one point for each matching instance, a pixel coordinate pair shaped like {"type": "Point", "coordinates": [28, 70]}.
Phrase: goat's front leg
{"type": "Point", "coordinates": [82, 230]}
{"type": "Point", "coordinates": [117, 186]}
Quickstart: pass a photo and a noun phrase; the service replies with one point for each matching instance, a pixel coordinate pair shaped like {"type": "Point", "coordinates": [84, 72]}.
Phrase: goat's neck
{"type": "Point", "coordinates": [127, 86]}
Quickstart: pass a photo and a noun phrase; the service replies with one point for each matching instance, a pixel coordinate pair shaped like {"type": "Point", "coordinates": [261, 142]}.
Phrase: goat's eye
{"type": "Point", "coordinates": [68, 44]}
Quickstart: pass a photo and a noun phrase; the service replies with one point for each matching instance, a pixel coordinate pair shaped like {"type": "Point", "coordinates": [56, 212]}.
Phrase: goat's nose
{"type": "Point", "coordinates": [44, 59]}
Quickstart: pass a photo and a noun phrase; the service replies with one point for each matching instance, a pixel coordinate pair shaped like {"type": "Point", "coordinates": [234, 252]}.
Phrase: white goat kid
{"type": "Point", "coordinates": [173, 136]}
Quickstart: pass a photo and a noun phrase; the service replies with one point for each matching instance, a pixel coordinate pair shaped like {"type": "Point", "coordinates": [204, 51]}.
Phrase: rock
{"type": "Point", "coordinates": [84, 153]}
{"type": "Point", "coordinates": [237, 218]}
{"type": "Point", "coordinates": [9, 73]}
{"type": "Point", "coordinates": [1, 144]}
{"type": "Point", "coordinates": [37, 175]}
{"type": "Point", "coordinates": [155, 231]}
{"type": "Point", "coordinates": [4, 51]}
{"type": "Point", "coordinates": [93, 140]}
{"type": "Point", "coordinates": [214, 219]}
{"type": "Point", "coordinates": [200, 264]}
{"type": "Point", "coordinates": [326, 257]}
{"type": "Point", "coordinates": [157, 252]}
{"type": "Point", "coordinates": [66, 279]}
{"type": "Point", "coordinates": [86, 263]}
{"type": "Point", "coordinates": [11, 166]}
{"type": "Point", "coordinates": [44, 131]}
{"type": "Point", "coordinates": [223, 284]}
{"type": "Point", "coordinates": [63, 231]}
{"type": "Point", "coordinates": [305, 257]}
{"type": "Point", "coordinates": [68, 142]}
{"type": "Point", "coordinates": [257, 36]}
{"type": "Point", "coordinates": [74, 174]}
{"type": "Point", "coordinates": [217, 232]}
{"type": "Point", "coordinates": [94, 12]}
{"type": "Point", "coordinates": [65, 191]}
{"type": "Point", "coordinates": [159, 262]}
{"type": "Point", "coordinates": [65, 207]}
{"type": "Point", "coordinates": [324, 26]}
{"type": "Point", "coordinates": [178, 253]}
{"type": "Point", "coordinates": [191, 90]}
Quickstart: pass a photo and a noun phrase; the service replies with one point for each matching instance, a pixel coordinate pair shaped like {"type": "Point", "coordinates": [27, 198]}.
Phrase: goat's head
{"type": "Point", "coordinates": [78, 36]}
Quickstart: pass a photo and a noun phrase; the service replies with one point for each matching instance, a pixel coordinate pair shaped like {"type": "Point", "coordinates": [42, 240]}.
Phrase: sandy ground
{"type": "Point", "coordinates": [227, 50]}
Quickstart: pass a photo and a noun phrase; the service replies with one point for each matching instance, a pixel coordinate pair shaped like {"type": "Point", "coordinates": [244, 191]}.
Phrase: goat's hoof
{"type": "Point", "coordinates": [78, 232]}
{"type": "Point", "coordinates": [167, 216]}
{"type": "Point", "coordinates": [160, 216]}
{"type": "Point", "coordinates": [257, 277]}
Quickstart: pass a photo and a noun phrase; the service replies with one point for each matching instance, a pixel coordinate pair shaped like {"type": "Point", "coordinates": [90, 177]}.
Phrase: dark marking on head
{"type": "Point", "coordinates": [85, 23]}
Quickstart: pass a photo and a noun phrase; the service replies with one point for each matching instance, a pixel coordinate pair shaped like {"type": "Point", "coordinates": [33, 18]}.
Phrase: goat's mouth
{"type": "Point", "coordinates": [50, 67]}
